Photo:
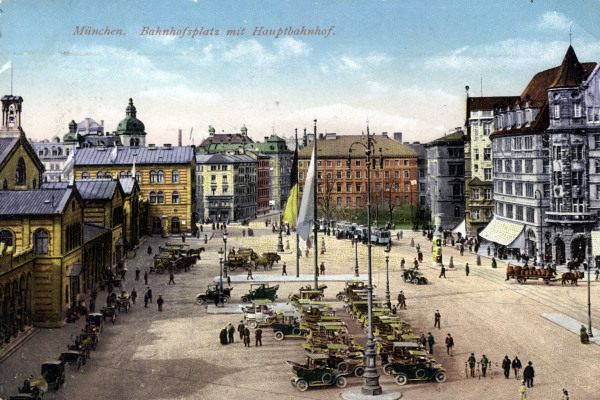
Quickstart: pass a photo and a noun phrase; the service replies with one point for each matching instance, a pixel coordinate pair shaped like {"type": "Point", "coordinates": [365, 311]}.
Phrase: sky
{"type": "Point", "coordinates": [400, 65]}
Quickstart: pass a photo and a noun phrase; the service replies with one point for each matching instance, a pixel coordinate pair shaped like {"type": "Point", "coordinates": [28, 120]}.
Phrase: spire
{"type": "Point", "coordinates": [130, 111]}
{"type": "Point", "coordinates": [571, 71]}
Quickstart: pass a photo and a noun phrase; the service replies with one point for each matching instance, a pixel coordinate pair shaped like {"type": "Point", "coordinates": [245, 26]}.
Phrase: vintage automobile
{"type": "Point", "coordinates": [261, 291]}
{"type": "Point", "coordinates": [316, 373]}
{"type": "Point", "coordinates": [259, 313]}
{"type": "Point", "coordinates": [307, 293]}
{"type": "Point", "coordinates": [212, 295]}
{"type": "Point", "coordinates": [345, 360]}
{"type": "Point", "coordinates": [54, 374]}
{"type": "Point", "coordinates": [350, 286]}
{"type": "Point", "coordinates": [414, 276]}
{"type": "Point", "coordinates": [96, 319]}
{"type": "Point", "coordinates": [288, 327]}
{"type": "Point", "coordinates": [73, 357]}
{"type": "Point", "coordinates": [109, 312]}
{"type": "Point", "coordinates": [415, 369]}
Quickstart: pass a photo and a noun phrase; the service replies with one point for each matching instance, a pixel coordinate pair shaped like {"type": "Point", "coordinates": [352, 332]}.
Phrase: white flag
{"type": "Point", "coordinates": [113, 154]}
{"type": "Point", "coordinates": [307, 206]}
{"type": "Point", "coordinates": [6, 67]}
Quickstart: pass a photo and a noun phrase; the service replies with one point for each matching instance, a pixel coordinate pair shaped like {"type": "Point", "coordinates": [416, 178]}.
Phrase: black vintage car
{"type": "Point", "coordinates": [261, 291]}
{"type": "Point", "coordinates": [288, 327]}
{"type": "Point", "coordinates": [212, 295]}
{"type": "Point", "coordinates": [73, 357]}
{"type": "Point", "coordinates": [54, 374]}
{"type": "Point", "coordinates": [419, 369]}
{"type": "Point", "coordinates": [96, 319]}
{"type": "Point", "coordinates": [316, 373]}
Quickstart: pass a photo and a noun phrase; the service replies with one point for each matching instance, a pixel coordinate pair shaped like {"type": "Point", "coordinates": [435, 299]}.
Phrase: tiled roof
{"type": "Point", "coordinates": [96, 189]}
{"type": "Point", "coordinates": [141, 155]}
{"type": "Point", "coordinates": [338, 147]}
{"type": "Point", "coordinates": [55, 185]}
{"type": "Point", "coordinates": [220, 158]}
{"type": "Point", "coordinates": [453, 138]}
{"type": "Point", "coordinates": [34, 202]}
{"type": "Point", "coordinates": [536, 88]}
{"type": "Point", "coordinates": [226, 138]}
{"type": "Point", "coordinates": [489, 103]}
{"type": "Point", "coordinates": [90, 231]}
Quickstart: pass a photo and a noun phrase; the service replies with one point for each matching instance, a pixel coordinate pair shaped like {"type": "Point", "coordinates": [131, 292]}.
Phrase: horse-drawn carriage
{"type": "Point", "coordinates": [524, 273]}
{"type": "Point", "coordinates": [109, 312]}
{"type": "Point", "coordinates": [414, 276]}
{"type": "Point", "coordinates": [73, 357]}
{"type": "Point", "coordinates": [244, 259]}
{"type": "Point", "coordinates": [266, 260]}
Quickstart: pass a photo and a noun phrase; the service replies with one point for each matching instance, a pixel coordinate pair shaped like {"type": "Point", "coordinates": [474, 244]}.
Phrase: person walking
{"type": "Point", "coordinates": [284, 269]}
{"type": "Point", "coordinates": [597, 273]}
{"type": "Point", "coordinates": [249, 276]}
{"type": "Point", "coordinates": [484, 365]}
{"type": "Point", "coordinates": [528, 374]}
{"type": "Point", "coordinates": [449, 345]}
{"type": "Point", "coordinates": [240, 329]}
{"type": "Point", "coordinates": [416, 263]}
{"type": "Point", "coordinates": [516, 366]}
{"type": "Point", "coordinates": [171, 278]}
{"type": "Point", "coordinates": [146, 300]}
{"type": "Point", "coordinates": [149, 250]}
{"type": "Point", "coordinates": [437, 319]}
{"type": "Point", "coordinates": [322, 269]}
{"type": "Point", "coordinates": [160, 302]}
{"type": "Point", "coordinates": [402, 263]}
{"type": "Point", "coordinates": [133, 295]}
{"type": "Point", "coordinates": [494, 263]}
{"type": "Point", "coordinates": [565, 394]}
{"type": "Point", "coordinates": [472, 361]}
{"type": "Point", "coordinates": [223, 336]}
{"type": "Point", "coordinates": [467, 270]}
{"type": "Point", "coordinates": [258, 337]}
{"type": "Point", "coordinates": [149, 293]}
{"type": "Point", "coordinates": [230, 332]}
{"type": "Point", "coordinates": [462, 249]}
{"type": "Point", "coordinates": [246, 337]}
{"type": "Point", "coordinates": [146, 278]}
{"type": "Point", "coordinates": [430, 342]}
{"type": "Point", "coordinates": [506, 366]}
{"type": "Point", "coordinates": [522, 391]}
{"type": "Point", "coordinates": [443, 272]}
{"type": "Point", "coordinates": [402, 300]}
{"type": "Point", "coordinates": [137, 273]}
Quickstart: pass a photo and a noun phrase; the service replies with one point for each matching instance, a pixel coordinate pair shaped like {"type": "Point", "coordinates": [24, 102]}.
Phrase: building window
{"type": "Point", "coordinates": [487, 154]}
{"type": "Point", "coordinates": [138, 176]}
{"type": "Point", "coordinates": [529, 166]}
{"type": "Point", "coordinates": [338, 187]}
{"type": "Point", "coordinates": [338, 175]}
{"type": "Point", "coordinates": [488, 194]}
{"type": "Point", "coordinates": [348, 174]}
{"type": "Point", "coordinates": [476, 168]}
{"type": "Point", "coordinates": [518, 189]}
{"type": "Point", "coordinates": [557, 152]}
{"type": "Point", "coordinates": [477, 154]}
{"type": "Point", "coordinates": [21, 173]}
{"type": "Point", "coordinates": [508, 188]}
{"type": "Point", "coordinates": [339, 201]}
{"type": "Point", "coordinates": [509, 211]}
{"type": "Point", "coordinates": [6, 237]}
{"type": "Point", "coordinates": [528, 142]}
{"type": "Point", "coordinates": [457, 212]}
{"type": "Point", "coordinates": [348, 188]}
{"type": "Point", "coordinates": [576, 110]}
{"type": "Point", "coordinates": [358, 188]}
{"type": "Point", "coordinates": [529, 189]}
{"type": "Point", "coordinates": [175, 176]}
{"type": "Point", "coordinates": [475, 214]}
{"type": "Point", "coordinates": [577, 152]}
{"type": "Point", "coordinates": [486, 129]}
{"type": "Point", "coordinates": [507, 165]}
{"type": "Point", "coordinates": [175, 225]}
{"type": "Point", "coordinates": [578, 205]}
{"type": "Point", "coordinates": [357, 174]}
{"type": "Point", "coordinates": [457, 190]}
{"type": "Point", "coordinates": [475, 194]}
{"type": "Point", "coordinates": [517, 143]}
{"type": "Point", "coordinates": [122, 175]}
{"type": "Point", "coordinates": [530, 214]}
{"type": "Point", "coordinates": [487, 174]}
{"type": "Point", "coordinates": [556, 111]}
{"type": "Point", "coordinates": [175, 196]}
{"type": "Point", "coordinates": [348, 201]}
{"type": "Point", "coordinates": [152, 198]}
{"type": "Point", "coordinates": [357, 163]}
{"type": "Point", "coordinates": [500, 209]}
{"type": "Point", "coordinates": [577, 178]}
{"type": "Point", "coordinates": [160, 177]}
{"type": "Point", "coordinates": [85, 175]}
{"type": "Point", "coordinates": [518, 166]}
{"type": "Point", "coordinates": [546, 190]}
{"type": "Point", "coordinates": [40, 241]}
{"type": "Point", "coordinates": [152, 176]}
{"type": "Point", "coordinates": [597, 141]}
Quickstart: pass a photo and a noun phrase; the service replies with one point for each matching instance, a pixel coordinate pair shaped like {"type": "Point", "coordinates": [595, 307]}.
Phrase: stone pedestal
{"type": "Point", "coordinates": [357, 394]}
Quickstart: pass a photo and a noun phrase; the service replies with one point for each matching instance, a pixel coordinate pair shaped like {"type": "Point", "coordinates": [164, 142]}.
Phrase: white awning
{"type": "Point", "coordinates": [596, 243]}
{"type": "Point", "coordinates": [505, 233]}
{"type": "Point", "coordinates": [461, 228]}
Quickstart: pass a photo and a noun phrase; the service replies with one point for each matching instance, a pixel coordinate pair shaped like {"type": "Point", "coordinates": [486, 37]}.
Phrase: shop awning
{"type": "Point", "coordinates": [596, 243]}
{"type": "Point", "coordinates": [461, 228]}
{"type": "Point", "coordinates": [505, 233]}
{"type": "Point", "coordinates": [75, 270]}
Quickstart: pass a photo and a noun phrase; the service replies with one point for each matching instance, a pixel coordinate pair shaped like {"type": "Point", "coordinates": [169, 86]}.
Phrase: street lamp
{"type": "Point", "coordinates": [541, 252]}
{"type": "Point", "coordinates": [225, 235]}
{"type": "Point", "coordinates": [388, 300]}
{"type": "Point", "coordinates": [589, 297]}
{"type": "Point", "coordinates": [220, 302]}
{"type": "Point", "coordinates": [280, 242]}
{"type": "Point", "coordinates": [356, 255]}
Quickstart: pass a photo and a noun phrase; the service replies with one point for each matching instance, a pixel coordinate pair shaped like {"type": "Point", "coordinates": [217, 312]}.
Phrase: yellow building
{"type": "Point", "coordinates": [165, 176]}
{"type": "Point", "coordinates": [133, 211]}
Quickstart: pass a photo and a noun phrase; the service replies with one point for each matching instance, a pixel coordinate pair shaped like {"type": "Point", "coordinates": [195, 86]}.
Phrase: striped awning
{"type": "Point", "coordinates": [505, 233]}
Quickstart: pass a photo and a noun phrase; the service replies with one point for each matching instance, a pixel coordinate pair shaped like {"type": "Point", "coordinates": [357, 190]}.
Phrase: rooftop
{"type": "Point", "coordinates": [141, 155]}
{"type": "Point", "coordinates": [456, 137]}
{"type": "Point", "coordinates": [220, 158]}
{"type": "Point", "coordinates": [34, 202]}
{"type": "Point", "coordinates": [338, 147]}
{"type": "Point", "coordinates": [96, 189]}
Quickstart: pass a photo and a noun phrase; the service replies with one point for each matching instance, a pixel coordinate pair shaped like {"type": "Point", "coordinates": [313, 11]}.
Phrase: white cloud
{"type": "Point", "coordinates": [376, 88]}
{"type": "Point", "coordinates": [291, 47]}
{"type": "Point", "coordinates": [351, 63]}
{"type": "Point", "coordinates": [181, 94]}
{"type": "Point", "coordinates": [553, 20]}
{"type": "Point", "coordinates": [254, 52]}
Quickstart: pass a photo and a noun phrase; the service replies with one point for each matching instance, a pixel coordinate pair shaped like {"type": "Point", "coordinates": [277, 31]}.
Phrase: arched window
{"type": "Point", "coordinates": [85, 175]}
{"type": "Point", "coordinates": [41, 152]}
{"type": "Point", "coordinates": [68, 151]}
{"type": "Point", "coordinates": [40, 241]}
{"type": "Point", "coordinates": [175, 226]}
{"type": "Point", "coordinates": [59, 151]}
{"type": "Point", "coordinates": [6, 237]}
{"type": "Point", "coordinates": [122, 174]}
{"type": "Point", "coordinates": [54, 152]}
{"type": "Point", "coordinates": [161, 177]}
{"type": "Point", "coordinates": [175, 198]}
{"type": "Point", "coordinates": [138, 176]}
{"type": "Point", "coordinates": [129, 174]}
{"type": "Point", "coordinates": [152, 198]}
{"type": "Point", "coordinates": [107, 175]}
{"type": "Point", "coordinates": [21, 175]}
{"type": "Point", "coordinates": [160, 198]}
{"type": "Point", "coordinates": [99, 175]}
{"type": "Point", "coordinates": [152, 177]}
{"type": "Point", "coordinates": [175, 176]}
{"type": "Point", "coordinates": [46, 151]}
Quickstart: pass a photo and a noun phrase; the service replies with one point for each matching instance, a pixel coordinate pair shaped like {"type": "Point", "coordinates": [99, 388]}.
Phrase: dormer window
{"type": "Point", "coordinates": [519, 118]}
{"type": "Point", "coordinates": [556, 111]}
{"type": "Point", "coordinates": [528, 116]}
{"type": "Point", "coordinates": [576, 110]}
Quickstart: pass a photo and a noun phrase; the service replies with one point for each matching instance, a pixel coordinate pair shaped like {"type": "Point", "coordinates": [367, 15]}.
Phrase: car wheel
{"type": "Point", "coordinates": [440, 377]}
{"type": "Point", "coordinates": [326, 378]}
{"type": "Point", "coordinates": [225, 299]}
{"type": "Point", "coordinates": [341, 382]}
{"type": "Point", "coordinates": [279, 335]}
{"type": "Point", "coordinates": [302, 385]}
{"type": "Point", "coordinates": [401, 379]}
{"type": "Point", "coordinates": [340, 297]}
{"type": "Point", "coordinates": [420, 373]}
{"type": "Point", "coordinates": [359, 371]}
{"type": "Point", "coordinates": [342, 367]}
{"type": "Point", "coordinates": [296, 331]}
{"type": "Point", "coordinates": [388, 369]}
{"type": "Point", "coordinates": [253, 324]}
{"type": "Point", "coordinates": [245, 299]}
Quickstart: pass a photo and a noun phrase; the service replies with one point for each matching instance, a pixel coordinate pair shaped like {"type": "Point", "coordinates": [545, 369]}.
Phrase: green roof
{"type": "Point", "coordinates": [130, 125]}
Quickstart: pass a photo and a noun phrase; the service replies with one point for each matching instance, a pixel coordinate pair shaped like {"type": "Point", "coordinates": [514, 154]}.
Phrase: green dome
{"type": "Point", "coordinates": [72, 135]}
{"type": "Point", "coordinates": [130, 125]}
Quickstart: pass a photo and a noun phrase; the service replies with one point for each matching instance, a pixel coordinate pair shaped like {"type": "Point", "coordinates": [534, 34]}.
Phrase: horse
{"type": "Point", "coordinates": [571, 277]}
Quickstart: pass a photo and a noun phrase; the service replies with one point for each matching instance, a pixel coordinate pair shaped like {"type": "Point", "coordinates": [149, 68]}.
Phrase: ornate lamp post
{"type": "Point", "coordinates": [280, 242]}
{"type": "Point", "coordinates": [356, 255]}
{"type": "Point", "coordinates": [225, 235]}
{"type": "Point", "coordinates": [220, 303]}
{"type": "Point", "coordinates": [388, 300]}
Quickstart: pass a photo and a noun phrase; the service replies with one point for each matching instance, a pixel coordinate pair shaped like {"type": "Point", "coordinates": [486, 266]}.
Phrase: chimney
{"type": "Point", "coordinates": [179, 139]}
{"type": "Point", "coordinates": [398, 136]}
{"type": "Point", "coordinates": [384, 134]}
{"type": "Point", "coordinates": [102, 123]}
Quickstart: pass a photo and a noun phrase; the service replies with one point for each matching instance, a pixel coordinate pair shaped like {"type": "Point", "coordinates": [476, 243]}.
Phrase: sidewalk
{"type": "Point", "coordinates": [266, 278]}
{"type": "Point", "coordinates": [572, 325]}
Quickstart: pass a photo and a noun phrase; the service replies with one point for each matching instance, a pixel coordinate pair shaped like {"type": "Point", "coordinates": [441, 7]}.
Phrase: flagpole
{"type": "Point", "coordinates": [297, 202]}
{"type": "Point", "coordinates": [315, 222]}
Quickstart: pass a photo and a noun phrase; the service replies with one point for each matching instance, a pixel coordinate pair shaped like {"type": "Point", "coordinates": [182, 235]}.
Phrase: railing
{"type": "Point", "coordinates": [571, 217]}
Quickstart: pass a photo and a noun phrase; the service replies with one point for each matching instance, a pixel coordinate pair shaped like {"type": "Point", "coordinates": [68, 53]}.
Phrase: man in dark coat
{"type": "Point", "coordinates": [240, 329]}
{"type": "Point", "coordinates": [506, 366]}
{"type": "Point", "coordinates": [246, 337]}
{"type": "Point", "coordinates": [528, 374]}
{"type": "Point", "coordinates": [223, 336]}
{"type": "Point", "coordinates": [516, 366]}
{"type": "Point", "coordinates": [443, 272]}
{"type": "Point", "coordinates": [430, 342]}
{"type": "Point", "coordinates": [437, 319]}
{"type": "Point", "coordinates": [145, 277]}
{"type": "Point", "coordinates": [472, 361]}
{"type": "Point", "coordinates": [230, 332]}
{"type": "Point", "coordinates": [258, 337]}
{"type": "Point", "coordinates": [449, 345]}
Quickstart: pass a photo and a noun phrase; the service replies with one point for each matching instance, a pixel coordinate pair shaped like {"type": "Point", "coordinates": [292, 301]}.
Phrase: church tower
{"type": "Point", "coordinates": [131, 130]}
{"type": "Point", "coordinates": [11, 116]}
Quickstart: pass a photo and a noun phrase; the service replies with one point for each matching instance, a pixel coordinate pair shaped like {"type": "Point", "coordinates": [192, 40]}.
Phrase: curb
{"type": "Point", "coordinates": [16, 344]}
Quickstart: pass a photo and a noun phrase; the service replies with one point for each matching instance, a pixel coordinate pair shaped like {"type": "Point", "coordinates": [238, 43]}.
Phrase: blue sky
{"type": "Point", "coordinates": [402, 65]}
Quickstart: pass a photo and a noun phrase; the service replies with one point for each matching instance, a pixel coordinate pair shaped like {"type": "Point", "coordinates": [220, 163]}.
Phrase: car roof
{"type": "Point", "coordinates": [317, 356]}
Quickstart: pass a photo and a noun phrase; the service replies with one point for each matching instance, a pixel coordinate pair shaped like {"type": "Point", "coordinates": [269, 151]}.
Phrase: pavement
{"type": "Point", "coordinates": [175, 354]}
{"type": "Point", "coordinates": [572, 325]}
{"type": "Point", "coordinates": [262, 278]}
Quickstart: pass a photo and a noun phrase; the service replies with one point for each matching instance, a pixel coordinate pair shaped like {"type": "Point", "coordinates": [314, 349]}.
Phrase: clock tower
{"type": "Point", "coordinates": [11, 116]}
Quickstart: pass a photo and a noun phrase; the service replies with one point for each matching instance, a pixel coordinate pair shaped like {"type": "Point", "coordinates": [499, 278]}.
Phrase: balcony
{"type": "Point", "coordinates": [570, 217]}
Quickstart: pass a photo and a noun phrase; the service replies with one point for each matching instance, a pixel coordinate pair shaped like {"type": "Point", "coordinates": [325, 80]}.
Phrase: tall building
{"type": "Point", "coordinates": [446, 178]}
{"type": "Point", "coordinates": [423, 214]}
{"type": "Point", "coordinates": [55, 155]}
{"type": "Point", "coordinates": [280, 167]}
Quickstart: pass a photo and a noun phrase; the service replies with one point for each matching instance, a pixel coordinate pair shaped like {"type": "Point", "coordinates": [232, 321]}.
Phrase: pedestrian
{"type": "Point", "coordinates": [522, 391]}
{"type": "Point", "coordinates": [397, 235]}
{"type": "Point", "coordinates": [394, 310]}
{"type": "Point", "coordinates": [223, 336]}
{"type": "Point", "coordinates": [467, 270]}
{"type": "Point", "coordinates": [462, 249]}
{"type": "Point", "coordinates": [146, 300]}
{"type": "Point", "coordinates": [246, 337]}
{"type": "Point", "coordinates": [449, 345]}
{"type": "Point", "coordinates": [146, 278]}
{"type": "Point", "coordinates": [430, 342]}
{"type": "Point", "coordinates": [133, 295]}
{"type": "Point", "coordinates": [183, 237]}
{"type": "Point", "coordinates": [258, 337]}
{"type": "Point", "coordinates": [171, 278]}
{"type": "Point", "coordinates": [597, 273]}
{"type": "Point", "coordinates": [416, 263]}
{"type": "Point", "coordinates": [284, 269]}
{"type": "Point", "coordinates": [240, 329]}
{"type": "Point", "coordinates": [516, 366]}
{"type": "Point", "coordinates": [228, 280]}
{"type": "Point", "coordinates": [230, 332]}
{"type": "Point", "coordinates": [160, 302]}
{"type": "Point", "coordinates": [137, 273]}
{"type": "Point", "coordinates": [565, 394]}
{"type": "Point", "coordinates": [402, 263]}
{"type": "Point", "coordinates": [423, 341]}
{"type": "Point", "coordinates": [149, 250]}
{"type": "Point", "coordinates": [506, 364]}
{"type": "Point", "coordinates": [528, 374]}
{"type": "Point", "coordinates": [472, 361]}
{"type": "Point", "coordinates": [484, 365]}
{"type": "Point", "coordinates": [443, 272]}
{"type": "Point", "coordinates": [249, 276]}
{"type": "Point", "coordinates": [420, 256]}
{"type": "Point", "coordinates": [322, 269]}
{"type": "Point", "coordinates": [149, 292]}
{"type": "Point", "coordinates": [437, 319]}
{"type": "Point", "coordinates": [402, 300]}
{"type": "Point", "coordinates": [494, 263]}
